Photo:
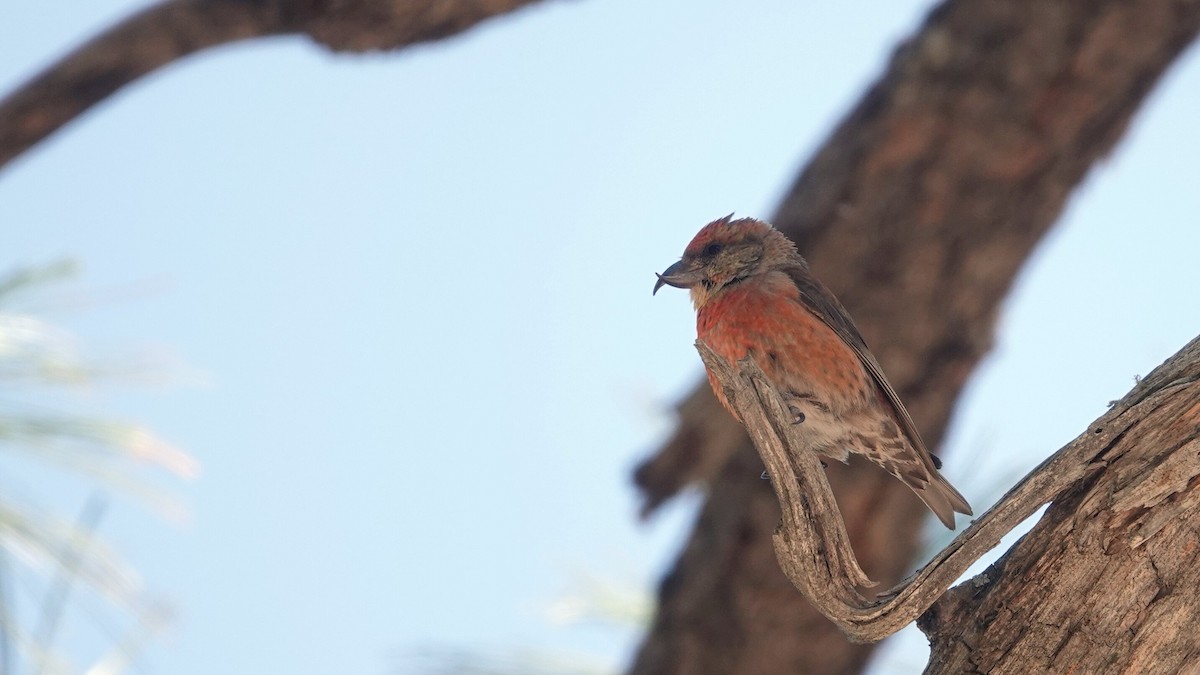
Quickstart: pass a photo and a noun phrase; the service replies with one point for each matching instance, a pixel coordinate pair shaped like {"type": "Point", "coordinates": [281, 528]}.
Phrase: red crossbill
{"type": "Point", "coordinates": [754, 296]}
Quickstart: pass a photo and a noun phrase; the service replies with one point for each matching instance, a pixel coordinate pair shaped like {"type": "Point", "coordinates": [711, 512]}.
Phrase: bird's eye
{"type": "Point", "coordinates": [712, 249]}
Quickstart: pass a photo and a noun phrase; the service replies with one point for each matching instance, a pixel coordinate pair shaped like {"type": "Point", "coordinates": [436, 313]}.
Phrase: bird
{"type": "Point", "coordinates": [755, 296]}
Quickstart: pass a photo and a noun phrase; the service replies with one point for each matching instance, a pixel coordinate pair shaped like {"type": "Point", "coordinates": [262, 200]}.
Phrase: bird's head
{"type": "Point", "coordinates": [725, 252]}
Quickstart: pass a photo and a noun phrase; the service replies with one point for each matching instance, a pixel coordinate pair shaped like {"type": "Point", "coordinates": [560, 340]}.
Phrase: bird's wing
{"type": "Point", "coordinates": [818, 300]}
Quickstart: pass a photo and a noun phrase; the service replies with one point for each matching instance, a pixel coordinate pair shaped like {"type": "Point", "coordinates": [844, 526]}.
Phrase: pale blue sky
{"type": "Point", "coordinates": [419, 287]}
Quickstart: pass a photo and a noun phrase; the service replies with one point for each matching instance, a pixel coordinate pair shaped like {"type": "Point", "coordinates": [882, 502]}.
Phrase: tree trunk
{"type": "Point", "coordinates": [918, 213]}
{"type": "Point", "coordinates": [1106, 582]}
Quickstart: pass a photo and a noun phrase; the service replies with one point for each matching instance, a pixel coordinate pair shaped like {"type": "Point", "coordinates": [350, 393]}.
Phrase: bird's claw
{"type": "Point", "coordinates": [797, 414]}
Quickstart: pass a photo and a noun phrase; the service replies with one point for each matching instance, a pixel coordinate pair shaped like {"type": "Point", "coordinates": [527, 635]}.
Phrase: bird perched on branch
{"type": "Point", "coordinates": [754, 295]}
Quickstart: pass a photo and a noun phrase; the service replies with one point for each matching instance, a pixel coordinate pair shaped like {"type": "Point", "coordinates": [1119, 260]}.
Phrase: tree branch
{"type": "Point", "coordinates": [168, 31]}
{"type": "Point", "coordinates": [812, 545]}
{"type": "Point", "coordinates": [1105, 582]}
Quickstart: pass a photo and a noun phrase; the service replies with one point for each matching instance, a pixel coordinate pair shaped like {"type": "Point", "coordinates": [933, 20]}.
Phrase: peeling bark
{"type": "Point", "coordinates": [1107, 580]}
{"type": "Point", "coordinates": [1115, 601]}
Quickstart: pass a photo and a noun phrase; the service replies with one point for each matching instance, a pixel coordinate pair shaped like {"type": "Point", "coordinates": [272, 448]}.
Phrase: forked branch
{"type": "Point", "coordinates": [811, 542]}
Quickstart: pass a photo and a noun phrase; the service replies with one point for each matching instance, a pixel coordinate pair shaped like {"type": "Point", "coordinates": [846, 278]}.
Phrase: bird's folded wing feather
{"type": "Point", "coordinates": [822, 303]}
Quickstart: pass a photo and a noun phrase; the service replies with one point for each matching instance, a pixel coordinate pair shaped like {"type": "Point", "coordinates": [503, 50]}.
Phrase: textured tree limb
{"type": "Point", "coordinates": [171, 30]}
{"type": "Point", "coordinates": [1106, 581]}
{"type": "Point", "coordinates": [918, 213]}
{"type": "Point", "coordinates": [826, 569]}
{"type": "Point", "coordinates": [814, 550]}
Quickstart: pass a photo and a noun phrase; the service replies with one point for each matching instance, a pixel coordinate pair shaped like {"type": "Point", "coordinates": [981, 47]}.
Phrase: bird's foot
{"type": "Point", "coordinates": [794, 400]}
{"type": "Point", "coordinates": [797, 414]}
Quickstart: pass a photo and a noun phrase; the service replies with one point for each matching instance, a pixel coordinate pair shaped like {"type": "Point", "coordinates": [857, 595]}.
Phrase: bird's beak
{"type": "Point", "coordinates": [679, 275]}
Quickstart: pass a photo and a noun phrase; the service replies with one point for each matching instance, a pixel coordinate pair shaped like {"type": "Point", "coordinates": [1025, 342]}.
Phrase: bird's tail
{"type": "Point", "coordinates": [941, 498]}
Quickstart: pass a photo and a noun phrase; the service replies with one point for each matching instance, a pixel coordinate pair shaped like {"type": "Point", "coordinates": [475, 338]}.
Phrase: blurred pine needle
{"type": "Point", "coordinates": [48, 562]}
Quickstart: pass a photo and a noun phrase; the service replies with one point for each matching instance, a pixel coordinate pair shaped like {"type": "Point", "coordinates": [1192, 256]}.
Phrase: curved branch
{"type": "Point", "coordinates": [827, 568]}
{"type": "Point", "coordinates": [812, 546]}
{"type": "Point", "coordinates": [170, 30]}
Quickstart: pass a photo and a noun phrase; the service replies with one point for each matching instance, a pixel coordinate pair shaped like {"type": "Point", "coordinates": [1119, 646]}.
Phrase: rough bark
{"type": "Point", "coordinates": [171, 30]}
{"type": "Point", "coordinates": [1158, 425]}
{"type": "Point", "coordinates": [1106, 581]}
{"type": "Point", "coordinates": [918, 213]}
